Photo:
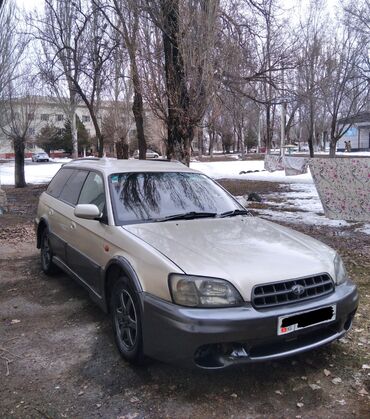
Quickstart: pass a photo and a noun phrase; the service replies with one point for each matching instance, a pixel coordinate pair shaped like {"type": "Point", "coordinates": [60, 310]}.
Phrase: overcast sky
{"type": "Point", "coordinates": [29, 4]}
{"type": "Point", "coordinates": [286, 4]}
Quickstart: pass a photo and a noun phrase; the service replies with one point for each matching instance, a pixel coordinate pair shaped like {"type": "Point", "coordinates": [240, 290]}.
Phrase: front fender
{"type": "Point", "coordinates": [113, 270]}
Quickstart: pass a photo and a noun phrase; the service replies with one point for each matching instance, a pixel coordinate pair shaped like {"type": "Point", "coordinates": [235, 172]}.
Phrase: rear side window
{"type": "Point", "coordinates": [57, 183]}
{"type": "Point", "coordinates": [72, 187]}
{"type": "Point", "coordinates": [93, 191]}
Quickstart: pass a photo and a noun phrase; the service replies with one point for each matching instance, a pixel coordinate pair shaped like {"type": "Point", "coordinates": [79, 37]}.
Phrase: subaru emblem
{"type": "Point", "coordinates": [297, 289]}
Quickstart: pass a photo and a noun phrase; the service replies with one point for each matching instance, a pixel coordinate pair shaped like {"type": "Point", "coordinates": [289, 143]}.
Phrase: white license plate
{"type": "Point", "coordinates": [304, 319]}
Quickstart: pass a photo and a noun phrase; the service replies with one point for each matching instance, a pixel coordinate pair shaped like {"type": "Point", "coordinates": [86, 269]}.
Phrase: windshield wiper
{"type": "Point", "coordinates": [186, 216]}
{"type": "Point", "coordinates": [233, 213]}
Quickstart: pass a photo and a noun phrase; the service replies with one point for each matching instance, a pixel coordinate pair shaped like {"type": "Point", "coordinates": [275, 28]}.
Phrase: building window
{"type": "Point", "coordinates": [44, 117]}
{"type": "Point", "coordinates": [31, 131]}
{"type": "Point", "coordinates": [85, 118]}
{"type": "Point", "coordinates": [60, 117]}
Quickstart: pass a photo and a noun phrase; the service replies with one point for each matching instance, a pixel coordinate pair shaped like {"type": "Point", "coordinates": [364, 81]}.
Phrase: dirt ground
{"type": "Point", "coordinates": [58, 358]}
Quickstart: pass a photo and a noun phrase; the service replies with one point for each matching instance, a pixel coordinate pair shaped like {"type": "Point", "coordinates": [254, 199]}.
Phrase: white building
{"type": "Point", "coordinates": [43, 111]}
{"type": "Point", "coordinates": [358, 134]}
{"type": "Point", "coordinates": [48, 111]}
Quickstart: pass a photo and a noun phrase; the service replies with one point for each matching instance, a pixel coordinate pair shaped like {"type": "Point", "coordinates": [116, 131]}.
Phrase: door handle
{"type": "Point", "coordinates": [72, 226]}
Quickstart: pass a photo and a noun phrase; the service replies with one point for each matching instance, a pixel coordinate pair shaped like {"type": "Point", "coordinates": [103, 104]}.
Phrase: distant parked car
{"type": "Point", "coordinates": [150, 154]}
{"type": "Point", "coordinates": [36, 157]}
{"type": "Point", "coordinates": [255, 149]}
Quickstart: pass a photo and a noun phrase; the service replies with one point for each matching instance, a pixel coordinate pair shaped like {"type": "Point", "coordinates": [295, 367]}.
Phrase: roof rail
{"type": "Point", "coordinates": [86, 158]}
{"type": "Point", "coordinates": [163, 160]}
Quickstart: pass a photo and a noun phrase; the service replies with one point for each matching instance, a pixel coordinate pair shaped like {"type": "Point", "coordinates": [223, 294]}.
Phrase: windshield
{"type": "Point", "coordinates": [164, 196]}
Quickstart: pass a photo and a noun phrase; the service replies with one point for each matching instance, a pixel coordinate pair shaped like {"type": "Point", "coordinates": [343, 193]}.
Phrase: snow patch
{"type": "Point", "coordinates": [232, 169]}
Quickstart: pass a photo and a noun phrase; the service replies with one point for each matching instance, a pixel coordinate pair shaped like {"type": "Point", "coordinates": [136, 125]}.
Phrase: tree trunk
{"type": "Point", "coordinates": [94, 118]}
{"type": "Point", "coordinates": [122, 149]}
{"type": "Point", "coordinates": [99, 136]}
{"type": "Point", "coordinates": [310, 145]}
{"type": "Point", "coordinates": [74, 135]}
{"type": "Point", "coordinates": [332, 148]}
{"type": "Point", "coordinates": [138, 110]}
{"type": "Point", "coordinates": [119, 149]}
{"type": "Point", "coordinates": [179, 129]}
{"type": "Point", "coordinates": [242, 140]}
{"type": "Point", "coordinates": [211, 136]}
{"type": "Point", "coordinates": [311, 129]}
{"type": "Point", "coordinates": [200, 141]}
{"type": "Point", "coordinates": [19, 178]}
{"type": "Point", "coordinates": [333, 139]}
{"type": "Point", "coordinates": [268, 127]}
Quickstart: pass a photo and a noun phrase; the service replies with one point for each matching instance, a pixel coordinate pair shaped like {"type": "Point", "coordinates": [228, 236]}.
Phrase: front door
{"type": "Point", "coordinates": [85, 252]}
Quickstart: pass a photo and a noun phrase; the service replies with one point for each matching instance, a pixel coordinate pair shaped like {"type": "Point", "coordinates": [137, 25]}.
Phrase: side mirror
{"type": "Point", "coordinates": [87, 211]}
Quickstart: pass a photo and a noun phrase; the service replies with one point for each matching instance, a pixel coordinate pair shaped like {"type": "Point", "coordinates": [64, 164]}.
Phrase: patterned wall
{"type": "Point", "coordinates": [343, 185]}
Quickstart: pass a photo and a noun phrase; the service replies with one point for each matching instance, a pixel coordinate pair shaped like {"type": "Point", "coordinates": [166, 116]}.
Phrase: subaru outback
{"type": "Point", "coordinates": [186, 273]}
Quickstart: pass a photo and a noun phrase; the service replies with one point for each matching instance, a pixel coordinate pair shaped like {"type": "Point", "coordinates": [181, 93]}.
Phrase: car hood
{"type": "Point", "coordinates": [243, 250]}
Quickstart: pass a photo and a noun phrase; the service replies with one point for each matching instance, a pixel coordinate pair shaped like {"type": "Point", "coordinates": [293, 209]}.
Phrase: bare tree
{"type": "Point", "coordinates": [16, 119]}
{"type": "Point", "coordinates": [357, 18]}
{"type": "Point", "coordinates": [7, 35]}
{"type": "Point", "coordinates": [12, 45]}
{"type": "Point", "coordinates": [233, 67]}
{"type": "Point", "coordinates": [151, 72]}
{"type": "Point", "coordinates": [96, 50]}
{"type": "Point", "coordinates": [83, 44]}
{"type": "Point", "coordinates": [257, 49]}
{"type": "Point", "coordinates": [188, 35]}
{"type": "Point", "coordinates": [357, 15]}
{"type": "Point", "coordinates": [213, 122]}
{"type": "Point", "coordinates": [124, 17]}
{"type": "Point", "coordinates": [15, 113]}
{"type": "Point", "coordinates": [58, 35]}
{"type": "Point", "coordinates": [345, 89]}
{"type": "Point", "coordinates": [118, 123]}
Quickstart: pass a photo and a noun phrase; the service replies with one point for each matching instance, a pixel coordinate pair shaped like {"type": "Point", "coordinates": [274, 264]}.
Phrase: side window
{"type": "Point", "coordinates": [72, 188]}
{"type": "Point", "coordinates": [93, 191]}
{"type": "Point", "coordinates": [57, 183]}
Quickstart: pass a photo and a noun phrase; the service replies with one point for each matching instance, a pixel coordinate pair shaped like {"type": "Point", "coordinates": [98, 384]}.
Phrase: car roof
{"type": "Point", "coordinates": [110, 165]}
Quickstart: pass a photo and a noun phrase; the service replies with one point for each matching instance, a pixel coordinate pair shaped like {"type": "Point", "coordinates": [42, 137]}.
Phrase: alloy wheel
{"type": "Point", "coordinates": [126, 320]}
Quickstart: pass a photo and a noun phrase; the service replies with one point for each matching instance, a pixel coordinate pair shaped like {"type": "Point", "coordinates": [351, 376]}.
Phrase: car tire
{"type": "Point", "coordinates": [126, 320]}
{"type": "Point", "coordinates": [46, 254]}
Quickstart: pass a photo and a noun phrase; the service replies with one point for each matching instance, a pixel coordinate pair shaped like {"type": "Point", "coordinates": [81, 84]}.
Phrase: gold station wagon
{"type": "Point", "coordinates": [186, 273]}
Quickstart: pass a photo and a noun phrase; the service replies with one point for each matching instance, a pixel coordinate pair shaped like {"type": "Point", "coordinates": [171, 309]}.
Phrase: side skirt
{"type": "Point", "coordinates": [98, 299]}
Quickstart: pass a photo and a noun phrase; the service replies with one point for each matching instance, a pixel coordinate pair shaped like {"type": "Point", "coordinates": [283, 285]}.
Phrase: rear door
{"type": "Point", "coordinates": [61, 197]}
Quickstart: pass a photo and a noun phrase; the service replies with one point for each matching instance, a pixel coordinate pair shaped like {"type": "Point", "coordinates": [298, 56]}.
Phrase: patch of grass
{"type": "Point", "coordinates": [286, 209]}
{"type": "Point", "coordinates": [238, 187]}
{"type": "Point", "coordinates": [257, 205]}
{"type": "Point", "coordinates": [230, 157]}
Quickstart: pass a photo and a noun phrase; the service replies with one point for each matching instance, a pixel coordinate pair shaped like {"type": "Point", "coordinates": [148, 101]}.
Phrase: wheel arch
{"type": "Point", "coordinates": [42, 225]}
{"type": "Point", "coordinates": [115, 268]}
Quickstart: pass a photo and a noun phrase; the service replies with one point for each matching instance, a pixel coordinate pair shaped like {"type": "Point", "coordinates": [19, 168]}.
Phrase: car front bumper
{"type": "Point", "coordinates": [221, 337]}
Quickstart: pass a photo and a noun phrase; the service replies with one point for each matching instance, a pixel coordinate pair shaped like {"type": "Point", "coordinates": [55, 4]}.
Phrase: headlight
{"type": "Point", "coordinates": [198, 291]}
{"type": "Point", "coordinates": [340, 270]}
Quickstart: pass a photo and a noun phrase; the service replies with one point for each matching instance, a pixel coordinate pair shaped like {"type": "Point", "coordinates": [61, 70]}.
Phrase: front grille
{"type": "Point", "coordinates": [280, 293]}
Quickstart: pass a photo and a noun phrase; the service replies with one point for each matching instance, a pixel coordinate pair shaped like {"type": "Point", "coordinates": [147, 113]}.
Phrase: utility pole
{"type": "Point", "coordinates": [259, 131]}
{"type": "Point", "coordinates": [283, 116]}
